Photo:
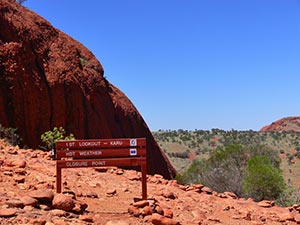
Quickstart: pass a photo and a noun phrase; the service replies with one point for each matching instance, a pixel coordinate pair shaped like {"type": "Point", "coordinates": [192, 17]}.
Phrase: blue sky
{"type": "Point", "coordinates": [192, 64]}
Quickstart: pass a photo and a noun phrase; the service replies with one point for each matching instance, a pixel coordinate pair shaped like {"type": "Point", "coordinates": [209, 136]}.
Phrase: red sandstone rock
{"type": "Point", "coordinates": [296, 207]}
{"type": "Point", "coordinates": [19, 163]}
{"type": "Point", "coordinates": [141, 204]}
{"type": "Point", "coordinates": [14, 203]}
{"type": "Point", "coordinates": [286, 217]}
{"type": "Point", "coordinates": [134, 211]}
{"type": "Point", "coordinates": [86, 218]}
{"type": "Point", "coordinates": [111, 192]}
{"type": "Point", "coordinates": [51, 80]}
{"type": "Point", "coordinates": [230, 194]}
{"type": "Point", "coordinates": [157, 219]}
{"type": "Point", "coordinates": [7, 212]}
{"type": "Point", "coordinates": [29, 201]}
{"type": "Point", "coordinates": [42, 195]}
{"type": "Point", "coordinates": [159, 210]}
{"type": "Point", "coordinates": [265, 203]}
{"type": "Point", "coordinates": [297, 218]}
{"type": "Point", "coordinates": [38, 221]}
{"type": "Point", "coordinates": [19, 179]}
{"type": "Point", "coordinates": [79, 207]}
{"type": "Point", "coordinates": [58, 212]}
{"type": "Point", "coordinates": [168, 194]}
{"type": "Point", "coordinates": [285, 124]}
{"type": "Point", "coordinates": [147, 210]}
{"type": "Point", "coordinates": [207, 190]}
{"type": "Point", "coordinates": [168, 213]}
{"type": "Point", "coordinates": [59, 222]}
{"type": "Point", "coordinates": [63, 202]}
{"type": "Point", "coordinates": [117, 222]}
{"type": "Point", "coordinates": [133, 176]}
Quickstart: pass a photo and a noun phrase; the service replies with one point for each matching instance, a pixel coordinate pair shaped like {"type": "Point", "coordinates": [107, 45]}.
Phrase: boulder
{"type": "Point", "coordinates": [7, 212]}
{"type": "Point", "coordinates": [157, 219]}
{"type": "Point", "coordinates": [26, 200]}
{"type": "Point", "coordinates": [13, 203]}
{"type": "Point", "coordinates": [141, 204]}
{"type": "Point", "coordinates": [117, 222]}
{"type": "Point", "coordinates": [43, 196]}
{"type": "Point", "coordinates": [147, 210]}
{"type": "Point", "coordinates": [134, 211]}
{"type": "Point", "coordinates": [168, 194]}
{"type": "Point", "coordinates": [63, 202]}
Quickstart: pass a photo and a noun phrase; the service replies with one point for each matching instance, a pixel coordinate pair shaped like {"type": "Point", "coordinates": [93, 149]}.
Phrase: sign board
{"type": "Point", "coordinates": [102, 152]}
{"type": "Point", "coordinates": [100, 162]}
{"type": "Point", "coordinates": [101, 143]}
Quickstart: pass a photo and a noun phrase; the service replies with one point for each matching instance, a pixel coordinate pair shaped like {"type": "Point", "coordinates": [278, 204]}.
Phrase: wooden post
{"type": "Point", "coordinates": [58, 179]}
{"type": "Point", "coordinates": [144, 180]}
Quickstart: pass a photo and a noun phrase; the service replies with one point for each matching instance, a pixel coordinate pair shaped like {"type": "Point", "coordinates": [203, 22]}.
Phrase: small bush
{"type": "Point", "coordinates": [83, 61]}
{"type": "Point", "coordinates": [281, 151]}
{"type": "Point", "coordinates": [193, 173]}
{"type": "Point", "coordinates": [263, 180]}
{"type": "Point", "coordinates": [10, 135]}
{"type": "Point", "coordinates": [57, 134]}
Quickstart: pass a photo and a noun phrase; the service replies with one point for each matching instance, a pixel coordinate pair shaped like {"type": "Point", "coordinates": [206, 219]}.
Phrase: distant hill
{"type": "Point", "coordinates": [285, 124]}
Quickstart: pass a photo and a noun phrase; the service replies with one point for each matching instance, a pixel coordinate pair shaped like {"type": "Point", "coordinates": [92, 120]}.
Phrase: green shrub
{"type": "Point", "coordinates": [193, 173]}
{"type": "Point", "coordinates": [10, 135]}
{"type": "Point", "coordinates": [57, 134]}
{"type": "Point", "coordinates": [227, 168]}
{"type": "Point", "coordinates": [263, 180]}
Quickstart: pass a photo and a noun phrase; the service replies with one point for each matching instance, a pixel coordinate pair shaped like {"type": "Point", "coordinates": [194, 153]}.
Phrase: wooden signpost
{"type": "Point", "coordinates": [101, 152]}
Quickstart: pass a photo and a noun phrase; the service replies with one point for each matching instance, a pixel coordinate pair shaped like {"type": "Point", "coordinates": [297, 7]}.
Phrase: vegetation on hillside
{"type": "Point", "coordinates": [261, 165]}
{"type": "Point", "coordinates": [181, 143]}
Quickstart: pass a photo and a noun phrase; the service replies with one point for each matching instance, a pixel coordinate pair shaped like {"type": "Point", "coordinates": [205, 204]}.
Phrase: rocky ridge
{"type": "Point", "coordinates": [291, 123]}
{"type": "Point", "coordinates": [111, 196]}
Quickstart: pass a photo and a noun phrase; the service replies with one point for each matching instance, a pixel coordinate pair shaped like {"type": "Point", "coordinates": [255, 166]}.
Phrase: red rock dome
{"type": "Point", "coordinates": [47, 79]}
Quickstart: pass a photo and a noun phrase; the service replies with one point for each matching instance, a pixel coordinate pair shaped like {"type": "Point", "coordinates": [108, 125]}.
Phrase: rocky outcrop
{"type": "Point", "coordinates": [47, 79]}
{"type": "Point", "coordinates": [285, 124]}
